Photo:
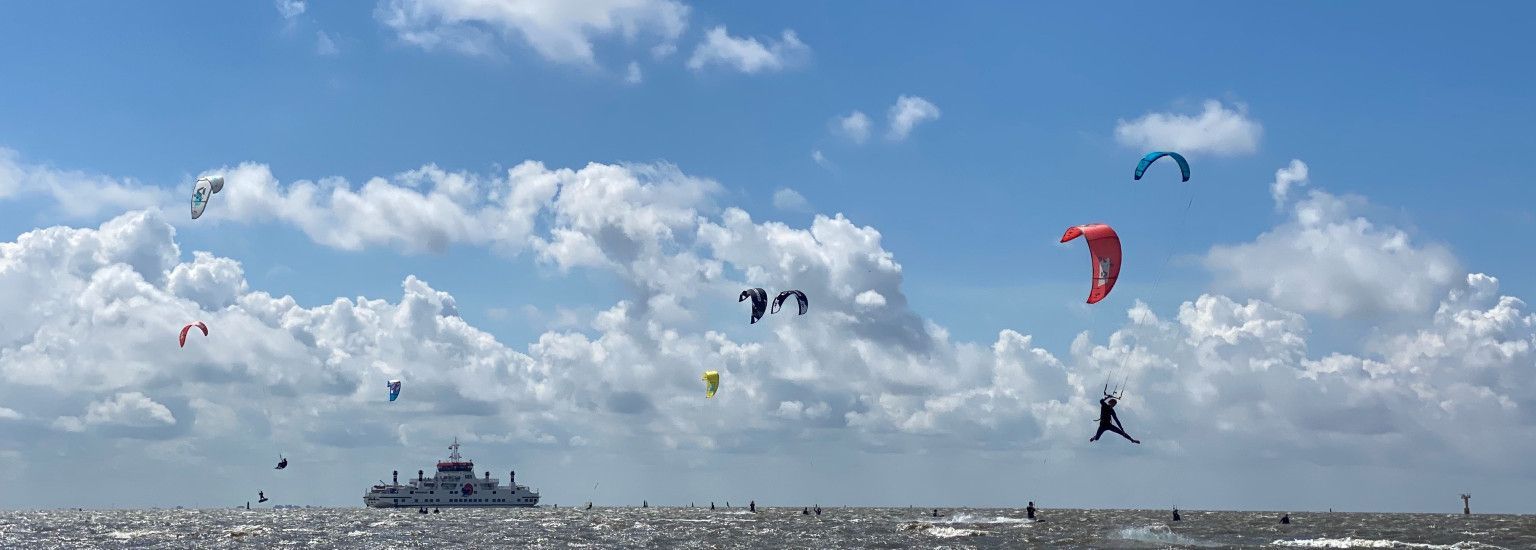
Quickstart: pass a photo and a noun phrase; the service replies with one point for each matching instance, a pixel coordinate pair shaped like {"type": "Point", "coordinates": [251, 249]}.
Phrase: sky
{"type": "Point", "coordinates": [539, 214]}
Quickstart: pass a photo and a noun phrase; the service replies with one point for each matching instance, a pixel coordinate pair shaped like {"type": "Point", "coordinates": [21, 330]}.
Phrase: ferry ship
{"type": "Point", "coordinates": [454, 484]}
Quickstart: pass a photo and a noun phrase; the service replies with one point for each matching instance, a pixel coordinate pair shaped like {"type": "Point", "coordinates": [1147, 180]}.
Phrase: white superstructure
{"type": "Point", "coordinates": [454, 484]}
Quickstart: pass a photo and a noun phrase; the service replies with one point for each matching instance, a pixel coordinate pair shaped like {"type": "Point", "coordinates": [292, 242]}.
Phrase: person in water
{"type": "Point", "coordinates": [1030, 510]}
{"type": "Point", "coordinates": [1109, 421]}
{"type": "Point", "coordinates": [818, 509]}
{"type": "Point", "coordinates": [805, 511]}
{"type": "Point", "coordinates": [1286, 518]}
{"type": "Point", "coordinates": [935, 512]}
{"type": "Point", "coordinates": [1176, 514]}
{"type": "Point", "coordinates": [752, 506]}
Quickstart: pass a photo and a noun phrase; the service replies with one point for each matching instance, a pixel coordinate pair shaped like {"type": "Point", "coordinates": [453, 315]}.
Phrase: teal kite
{"type": "Point", "coordinates": [1141, 167]}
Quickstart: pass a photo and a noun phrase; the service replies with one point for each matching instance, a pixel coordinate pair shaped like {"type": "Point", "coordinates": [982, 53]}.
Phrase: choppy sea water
{"type": "Point", "coordinates": [737, 528]}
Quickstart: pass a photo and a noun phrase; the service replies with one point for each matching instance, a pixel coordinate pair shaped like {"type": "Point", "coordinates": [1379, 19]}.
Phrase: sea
{"type": "Point", "coordinates": [683, 527]}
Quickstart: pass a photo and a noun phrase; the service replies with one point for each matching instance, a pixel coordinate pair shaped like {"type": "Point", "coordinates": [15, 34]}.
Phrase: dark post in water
{"type": "Point", "coordinates": [1466, 505]}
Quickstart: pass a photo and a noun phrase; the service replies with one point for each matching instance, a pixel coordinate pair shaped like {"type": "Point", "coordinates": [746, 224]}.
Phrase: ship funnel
{"type": "Point", "coordinates": [487, 474]}
{"type": "Point", "coordinates": [397, 477]}
{"type": "Point", "coordinates": [419, 475]}
{"type": "Point", "coordinates": [512, 478]}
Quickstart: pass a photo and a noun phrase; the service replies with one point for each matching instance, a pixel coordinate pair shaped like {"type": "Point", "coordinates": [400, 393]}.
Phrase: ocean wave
{"type": "Point", "coordinates": [1161, 534]}
{"type": "Point", "coordinates": [942, 531]}
{"type": "Point", "coordinates": [1351, 542]}
{"type": "Point", "coordinates": [968, 518]}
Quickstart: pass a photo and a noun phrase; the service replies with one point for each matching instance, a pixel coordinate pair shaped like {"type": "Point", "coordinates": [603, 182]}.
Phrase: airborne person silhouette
{"type": "Point", "coordinates": [1108, 420]}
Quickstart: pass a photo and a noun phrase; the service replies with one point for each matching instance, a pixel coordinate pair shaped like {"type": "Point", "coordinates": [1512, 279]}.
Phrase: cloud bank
{"type": "Point", "coordinates": [90, 349]}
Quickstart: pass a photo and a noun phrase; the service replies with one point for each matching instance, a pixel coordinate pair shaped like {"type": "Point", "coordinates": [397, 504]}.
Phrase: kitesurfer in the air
{"type": "Point", "coordinates": [283, 463]}
{"type": "Point", "coordinates": [1108, 421]}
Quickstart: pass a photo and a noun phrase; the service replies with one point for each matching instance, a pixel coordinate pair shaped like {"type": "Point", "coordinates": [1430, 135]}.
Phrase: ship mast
{"type": "Point", "coordinates": [455, 448]}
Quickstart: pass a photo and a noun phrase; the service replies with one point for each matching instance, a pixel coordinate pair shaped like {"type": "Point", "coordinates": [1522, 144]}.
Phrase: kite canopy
{"type": "Point", "coordinates": [1141, 167]}
{"type": "Point", "coordinates": [799, 296]}
{"type": "Point", "coordinates": [202, 191]}
{"type": "Point", "coordinates": [759, 301]}
{"type": "Point", "coordinates": [1104, 249]}
{"type": "Point", "coordinates": [394, 389]}
{"type": "Point", "coordinates": [181, 341]}
{"type": "Point", "coordinates": [711, 383]}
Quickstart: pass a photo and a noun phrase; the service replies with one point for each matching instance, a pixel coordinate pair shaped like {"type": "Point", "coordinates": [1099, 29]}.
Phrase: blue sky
{"type": "Point", "coordinates": [1419, 111]}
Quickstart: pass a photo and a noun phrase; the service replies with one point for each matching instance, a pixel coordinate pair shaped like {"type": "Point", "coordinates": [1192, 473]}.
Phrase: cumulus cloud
{"type": "Point", "coordinates": [1326, 259]}
{"type": "Point", "coordinates": [1293, 175]}
{"type": "Point", "coordinates": [558, 30]}
{"type": "Point", "coordinates": [94, 310]}
{"type": "Point", "coordinates": [790, 200]}
{"type": "Point", "coordinates": [907, 113]}
{"type": "Point", "coordinates": [855, 126]}
{"type": "Point", "coordinates": [747, 55]}
{"type": "Point", "coordinates": [1216, 130]}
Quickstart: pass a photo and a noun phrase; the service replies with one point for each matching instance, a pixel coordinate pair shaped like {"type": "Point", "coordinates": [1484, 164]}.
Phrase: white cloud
{"type": "Point", "coordinates": [76, 195]}
{"type": "Point", "coordinates": [869, 298]}
{"type": "Point", "coordinates": [1216, 130]}
{"type": "Point", "coordinates": [855, 126]}
{"type": "Point", "coordinates": [324, 45]}
{"type": "Point", "coordinates": [131, 409]}
{"type": "Point", "coordinates": [9, 414]}
{"type": "Point", "coordinates": [290, 8]}
{"type": "Point", "coordinates": [747, 55]}
{"type": "Point", "coordinates": [820, 159]}
{"type": "Point", "coordinates": [788, 199]}
{"type": "Point", "coordinates": [1327, 260]}
{"type": "Point", "coordinates": [1293, 175]}
{"type": "Point", "coordinates": [907, 113]}
{"type": "Point", "coordinates": [632, 74]}
{"type": "Point", "coordinates": [1223, 380]}
{"type": "Point", "coordinates": [559, 30]}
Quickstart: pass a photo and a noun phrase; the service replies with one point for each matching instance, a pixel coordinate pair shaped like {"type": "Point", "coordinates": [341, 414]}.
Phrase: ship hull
{"type": "Point", "coordinates": [453, 486]}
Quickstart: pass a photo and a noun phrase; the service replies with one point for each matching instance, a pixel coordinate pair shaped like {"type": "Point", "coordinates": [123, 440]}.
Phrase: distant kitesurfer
{"type": "Point", "coordinates": [1176, 514]}
{"type": "Point", "coordinates": [752, 506]}
{"type": "Point", "coordinates": [1286, 519]}
{"type": "Point", "coordinates": [805, 511]}
{"type": "Point", "coordinates": [711, 505]}
{"type": "Point", "coordinates": [818, 509]}
{"type": "Point", "coordinates": [589, 506]}
{"type": "Point", "coordinates": [261, 496]}
{"type": "Point", "coordinates": [1030, 510]}
{"type": "Point", "coordinates": [282, 463]}
{"type": "Point", "coordinates": [1108, 421]}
